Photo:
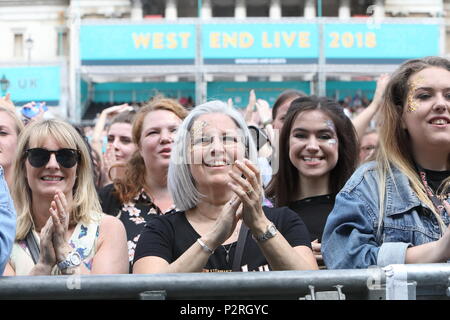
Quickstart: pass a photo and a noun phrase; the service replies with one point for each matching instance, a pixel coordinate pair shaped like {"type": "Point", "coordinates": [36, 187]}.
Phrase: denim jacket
{"type": "Point", "coordinates": [351, 238]}
{"type": "Point", "coordinates": [7, 222]}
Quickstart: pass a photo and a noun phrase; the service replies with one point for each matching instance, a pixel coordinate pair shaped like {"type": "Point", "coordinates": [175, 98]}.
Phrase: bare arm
{"type": "Point", "coordinates": [361, 121]}
{"type": "Point", "coordinates": [107, 113]}
{"type": "Point", "coordinates": [112, 251]}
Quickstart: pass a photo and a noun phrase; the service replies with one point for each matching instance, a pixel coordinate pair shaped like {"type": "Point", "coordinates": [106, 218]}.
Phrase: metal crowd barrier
{"type": "Point", "coordinates": [397, 282]}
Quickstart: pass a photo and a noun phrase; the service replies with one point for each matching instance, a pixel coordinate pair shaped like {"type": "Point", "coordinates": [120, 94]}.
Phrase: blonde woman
{"type": "Point", "coordinates": [10, 128]}
{"type": "Point", "coordinates": [395, 210]}
{"type": "Point", "coordinates": [60, 227]}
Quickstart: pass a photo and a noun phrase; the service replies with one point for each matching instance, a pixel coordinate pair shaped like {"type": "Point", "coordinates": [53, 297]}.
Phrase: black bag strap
{"type": "Point", "coordinates": [32, 246]}
{"type": "Point", "coordinates": [240, 248]}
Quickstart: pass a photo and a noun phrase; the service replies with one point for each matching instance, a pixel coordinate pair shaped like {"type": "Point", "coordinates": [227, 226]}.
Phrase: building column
{"type": "Point", "coordinates": [378, 11]}
{"type": "Point", "coordinates": [136, 10]}
{"type": "Point", "coordinates": [275, 13]}
{"type": "Point", "coordinates": [310, 9]}
{"type": "Point", "coordinates": [171, 12]}
{"type": "Point", "coordinates": [344, 9]}
{"type": "Point", "coordinates": [275, 9]}
{"type": "Point", "coordinates": [206, 10]}
{"type": "Point", "coordinates": [240, 10]}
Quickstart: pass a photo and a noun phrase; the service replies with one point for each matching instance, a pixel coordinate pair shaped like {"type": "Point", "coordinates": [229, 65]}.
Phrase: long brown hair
{"type": "Point", "coordinates": [285, 184]}
{"type": "Point", "coordinates": [133, 180]}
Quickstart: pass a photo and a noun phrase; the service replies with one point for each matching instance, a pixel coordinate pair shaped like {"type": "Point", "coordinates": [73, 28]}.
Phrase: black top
{"type": "Point", "coordinates": [435, 178]}
{"type": "Point", "coordinates": [170, 235]}
{"type": "Point", "coordinates": [133, 214]}
{"type": "Point", "coordinates": [314, 212]}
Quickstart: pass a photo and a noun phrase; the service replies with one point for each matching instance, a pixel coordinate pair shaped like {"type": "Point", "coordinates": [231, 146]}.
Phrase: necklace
{"type": "Point", "coordinates": [227, 257]}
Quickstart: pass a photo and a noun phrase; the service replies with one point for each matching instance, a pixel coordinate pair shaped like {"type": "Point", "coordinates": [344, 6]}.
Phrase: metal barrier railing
{"type": "Point", "coordinates": [422, 281]}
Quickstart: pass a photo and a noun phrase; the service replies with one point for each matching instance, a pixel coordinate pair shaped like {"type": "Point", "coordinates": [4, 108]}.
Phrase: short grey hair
{"type": "Point", "coordinates": [181, 183]}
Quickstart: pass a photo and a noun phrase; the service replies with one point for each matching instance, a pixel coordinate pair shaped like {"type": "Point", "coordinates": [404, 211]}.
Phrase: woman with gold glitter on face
{"type": "Point", "coordinates": [395, 210]}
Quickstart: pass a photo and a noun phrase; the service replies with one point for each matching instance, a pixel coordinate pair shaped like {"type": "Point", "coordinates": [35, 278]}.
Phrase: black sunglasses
{"type": "Point", "coordinates": [39, 157]}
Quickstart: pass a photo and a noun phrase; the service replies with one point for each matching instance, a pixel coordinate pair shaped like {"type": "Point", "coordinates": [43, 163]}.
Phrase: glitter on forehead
{"type": "Point", "coordinates": [412, 103]}
{"type": "Point", "coordinates": [330, 125]}
{"type": "Point", "coordinates": [197, 127]}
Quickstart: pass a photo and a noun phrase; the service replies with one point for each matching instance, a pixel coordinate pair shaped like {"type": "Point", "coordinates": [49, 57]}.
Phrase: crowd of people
{"type": "Point", "coordinates": [296, 186]}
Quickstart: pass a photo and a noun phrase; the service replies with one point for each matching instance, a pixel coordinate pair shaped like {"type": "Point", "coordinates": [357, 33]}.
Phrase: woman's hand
{"type": "Point", "coordinates": [249, 190]}
{"type": "Point", "coordinates": [59, 212]}
{"type": "Point", "coordinates": [225, 223]}
{"type": "Point", "coordinates": [316, 249]}
{"type": "Point", "coordinates": [47, 257]}
{"type": "Point", "coordinates": [250, 107]}
{"type": "Point", "coordinates": [444, 242]}
{"type": "Point", "coordinates": [381, 86]}
{"type": "Point", "coordinates": [7, 103]}
{"type": "Point", "coordinates": [114, 110]}
{"type": "Point", "coordinates": [264, 111]}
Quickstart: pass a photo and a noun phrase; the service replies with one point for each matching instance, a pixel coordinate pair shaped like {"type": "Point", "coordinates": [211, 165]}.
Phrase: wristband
{"type": "Point", "coordinates": [204, 246]}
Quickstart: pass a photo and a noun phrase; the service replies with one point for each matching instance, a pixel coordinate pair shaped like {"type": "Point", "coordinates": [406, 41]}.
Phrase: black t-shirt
{"type": "Point", "coordinates": [435, 179]}
{"type": "Point", "coordinates": [314, 212]}
{"type": "Point", "coordinates": [169, 236]}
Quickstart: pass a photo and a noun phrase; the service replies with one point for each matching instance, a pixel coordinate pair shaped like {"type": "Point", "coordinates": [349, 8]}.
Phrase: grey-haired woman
{"type": "Point", "coordinates": [214, 181]}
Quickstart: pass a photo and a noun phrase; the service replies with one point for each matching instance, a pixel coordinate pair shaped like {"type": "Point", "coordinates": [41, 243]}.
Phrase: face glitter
{"type": "Point", "coordinates": [330, 125]}
{"type": "Point", "coordinates": [332, 142]}
{"type": "Point", "coordinates": [411, 102]}
{"type": "Point", "coordinates": [197, 128]}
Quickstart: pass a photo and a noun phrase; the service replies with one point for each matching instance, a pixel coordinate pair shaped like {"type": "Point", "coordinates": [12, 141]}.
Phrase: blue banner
{"type": "Point", "coordinates": [384, 43]}
{"type": "Point", "coordinates": [139, 44]}
{"type": "Point", "coordinates": [33, 83]}
{"type": "Point", "coordinates": [259, 44]}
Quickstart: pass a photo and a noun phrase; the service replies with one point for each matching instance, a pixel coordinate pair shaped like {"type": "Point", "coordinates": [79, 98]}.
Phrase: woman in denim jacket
{"type": "Point", "coordinates": [395, 210]}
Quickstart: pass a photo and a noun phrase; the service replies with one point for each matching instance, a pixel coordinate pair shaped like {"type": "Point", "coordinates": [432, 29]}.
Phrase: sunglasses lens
{"type": "Point", "coordinates": [67, 157]}
{"type": "Point", "coordinates": [38, 157]}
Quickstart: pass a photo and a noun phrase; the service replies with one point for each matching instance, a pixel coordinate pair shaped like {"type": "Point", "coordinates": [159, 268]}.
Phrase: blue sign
{"type": "Point", "coordinates": [137, 44]}
{"type": "Point", "coordinates": [260, 44]}
{"type": "Point", "coordinates": [40, 84]}
{"type": "Point", "coordinates": [384, 43]}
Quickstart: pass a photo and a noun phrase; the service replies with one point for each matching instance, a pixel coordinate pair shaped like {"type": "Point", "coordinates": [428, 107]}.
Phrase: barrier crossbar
{"type": "Point", "coordinates": [421, 281]}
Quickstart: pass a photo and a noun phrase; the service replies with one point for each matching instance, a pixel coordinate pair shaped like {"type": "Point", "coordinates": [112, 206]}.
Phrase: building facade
{"type": "Point", "coordinates": [43, 39]}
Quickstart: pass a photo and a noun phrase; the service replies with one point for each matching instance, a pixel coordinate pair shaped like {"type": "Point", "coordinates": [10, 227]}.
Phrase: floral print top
{"type": "Point", "coordinates": [133, 214]}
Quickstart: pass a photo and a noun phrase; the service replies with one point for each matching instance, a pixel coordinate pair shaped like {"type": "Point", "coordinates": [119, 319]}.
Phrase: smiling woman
{"type": "Point", "coordinates": [395, 210]}
{"type": "Point", "coordinates": [60, 227]}
{"type": "Point", "coordinates": [317, 155]}
{"type": "Point", "coordinates": [214, 181]}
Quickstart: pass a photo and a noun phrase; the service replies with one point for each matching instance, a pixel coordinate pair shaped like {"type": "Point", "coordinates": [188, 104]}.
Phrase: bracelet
{"type": "Point", "coordinates": [204, 246]}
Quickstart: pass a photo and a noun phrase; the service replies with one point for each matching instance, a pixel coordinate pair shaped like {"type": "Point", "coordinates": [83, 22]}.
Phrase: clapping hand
{"type": "Point", "coordinates": [59, 212]}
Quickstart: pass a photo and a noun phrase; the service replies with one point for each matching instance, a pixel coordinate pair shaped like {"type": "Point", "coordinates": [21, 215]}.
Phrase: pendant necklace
{"type": "Point", "coordinates": [227, 257]}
